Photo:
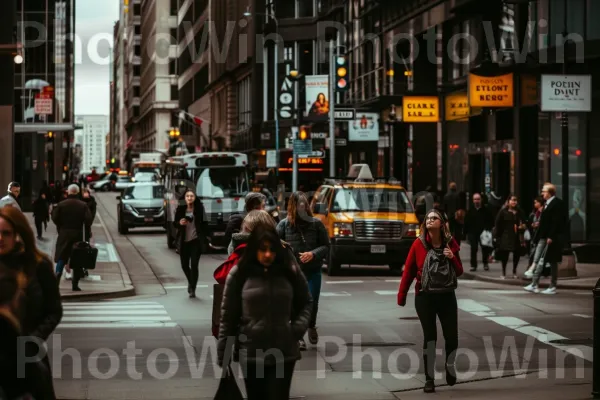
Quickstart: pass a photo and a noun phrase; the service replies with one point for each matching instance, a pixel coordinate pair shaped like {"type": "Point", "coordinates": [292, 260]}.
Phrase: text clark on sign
{"type": "Point", "coordinates": [491, 91]}
{"type": "Point", "coordinates": [420, 109]}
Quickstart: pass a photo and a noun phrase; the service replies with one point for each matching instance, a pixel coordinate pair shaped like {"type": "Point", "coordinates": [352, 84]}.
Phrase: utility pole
{"type": "Point", "coordinates": [565, 118]}
{"type": "Point", "coordinates": [332, 56]}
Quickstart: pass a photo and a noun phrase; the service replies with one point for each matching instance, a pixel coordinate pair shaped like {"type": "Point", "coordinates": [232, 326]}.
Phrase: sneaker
{"type": "Point", "coordinates": [486, 267]}
{"type": "Point", "coordinates": [429, 387]}
{"type": "Point", "coordinates": [551, 290]}
{"type": "Point", "coordinates": [529, 274]}
{"type": "Point", "coordinates": [68, 275]}
{"type": "Point", "coordinates": [313, 336]}
{"type": "Point", "coordinates": [302, 344]}
{"type": "Point", "coordinates": [532, 288]}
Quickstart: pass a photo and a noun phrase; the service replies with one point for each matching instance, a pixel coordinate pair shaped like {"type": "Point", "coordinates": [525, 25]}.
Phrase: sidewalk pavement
{"type": "Point", "coordinates": [109, 279]}
{"type": "Point", "coordinates": [587, 274]}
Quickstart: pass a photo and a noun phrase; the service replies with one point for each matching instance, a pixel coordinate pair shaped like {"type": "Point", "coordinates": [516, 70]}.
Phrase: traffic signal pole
{"type": "Point", "coordinates": [295, 136]}
{"type": "Point", "coordinates": [332, 83]}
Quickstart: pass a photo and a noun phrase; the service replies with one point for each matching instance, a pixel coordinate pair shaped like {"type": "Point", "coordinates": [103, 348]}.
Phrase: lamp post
{"type": "Point", "coordinates": [296, 76]}
{"type": "Point", "coordinates": [248, 14]}
{"type": "Point", "coordinates": [392, 119]}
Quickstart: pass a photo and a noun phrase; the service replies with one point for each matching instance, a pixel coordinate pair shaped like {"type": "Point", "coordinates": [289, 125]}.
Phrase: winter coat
{"type": "Point", "coordinates": [71, 217]}
{"type": "Point", "coordinates": [413, 268]}
{"type": "Point", "coordinates": [10, 200]}
{"type": "Point", "coordinates": [236, 240]}
{"type": "Point", "coordinates": [507, 229]}
{"type": "Point", "coordinates": [233, 226]}
{"type": "Point", "coordinates": [477, 221]}
{"type": "Point", "coordinates": [199, 222]}
{"type": "Point", "coordinates": [304, 237]}
{"type": "Point", "coordinates": [553, 225]}
{"type": "Point", "coordinates": [92, 205]}
{"type": "Point", "coordinates": [270, 308]}
{"type": "Point", "coordinates": [40, 209]}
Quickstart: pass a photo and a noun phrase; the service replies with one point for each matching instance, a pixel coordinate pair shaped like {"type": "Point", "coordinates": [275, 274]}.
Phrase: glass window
{"type": "Point", "coordinates": [305, 8]}
{"type": "Point", "coordinates": [214, 183]}
{"type": "Point", "coordinates": [382, 200]}
{"type": "Point", "coordinates": [285, 9]}
{"type": "Point", "coordinates": [305, 57]}
{"type": "Point", "coordinates": [144, 192]}
{"type": "Point", "coordinates": [576, 17]}
{"type": "Point", "coordinates": [593, 16]}
{"type": "Point", "coordinates": [557, 8]}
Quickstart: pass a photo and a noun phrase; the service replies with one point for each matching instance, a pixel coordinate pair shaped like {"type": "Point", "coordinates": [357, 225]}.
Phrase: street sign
{"type": "Point", "coordinates": [344, 114]}
{"type": "Point", "coordinates": [341, 142]}
{"type": "Point", "coordinates": [43, 104]}
{"type": "Point", "coordinates": [302, 146]}
{"type": "Point", "coordinates": [271, 158]}
{"type": "Point", "coordinates": [312, 154]}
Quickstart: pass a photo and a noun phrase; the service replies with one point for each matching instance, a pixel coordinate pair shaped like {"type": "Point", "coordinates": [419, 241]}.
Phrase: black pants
{"type": "Point", "coordinates": [272, 384]}
{"type": "Point", "coordinates": [38, 226]}
{"type": "Point", "coordinates": [443, 306]}
{"type": "Point", "coordinates": [455, 229]}
{"type": "Point", "coordinates": [189, 254]}
{"type": "Point", "coordinates": [485, 252]}
{"type": "Point", "coordinates": [76, 277]}
{"type": "Point", "coordinates": [503, 257]}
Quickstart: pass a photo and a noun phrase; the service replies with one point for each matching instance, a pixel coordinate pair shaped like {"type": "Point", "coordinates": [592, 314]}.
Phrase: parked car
{"type": "Point", "coordinates": [141, 205]}
{"type": "Point", "coordinates": [101, 185]}
{"type": "Point", "coordinates": [123, 182]}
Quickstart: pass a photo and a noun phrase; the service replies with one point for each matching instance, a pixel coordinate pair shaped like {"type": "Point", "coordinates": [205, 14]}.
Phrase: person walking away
{"type": "Point", "coordinates": [12, 197]}
{"type": "Point", "coordinates": [190, 224]}
{"type": "Point", "coordinates": [477, 220]}
{"type": "Point", "coordinates": [434, 261]}
{"type": "Point", "coordinates": [254, 201]}
{"type": "Point", "coordinates": [534, 223]}
{"type": "Point", "coordinates": [267, 300]}
{"type": "Point", "coordinates": [41, 213]}
{"type": "Point", "coordinates": [41, 311]}
{"type": "Point", "coordinates": [310, 242]}
{"type": "Point", "coordinates": [455, 211]}
{"type": "Point", "coordinates": [72, 218]}
{"type": "Point", "coordinates": [90, 201]}
{"type": "Point", "coordinates": [508, 228]}
{"type": "Point", "coordinates": [552, 233]}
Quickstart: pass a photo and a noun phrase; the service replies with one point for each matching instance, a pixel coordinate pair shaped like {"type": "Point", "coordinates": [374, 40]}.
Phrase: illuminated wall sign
{"type": "Point", "coordinates": [420, 109]}
{"type": "Point", "coordinates": [491, 91]}
{"type": "Point", "coordinates": [307, 161]}
{"type": "Point", "coordinates": [457, 107]}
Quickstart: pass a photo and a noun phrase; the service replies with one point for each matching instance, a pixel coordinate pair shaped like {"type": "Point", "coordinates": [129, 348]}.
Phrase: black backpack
{"type": "Point", "coordinates": [438, 274]}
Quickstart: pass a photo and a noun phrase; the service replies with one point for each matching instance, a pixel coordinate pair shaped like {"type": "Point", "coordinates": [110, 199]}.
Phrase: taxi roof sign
{"type": "Point", "coordinates": [360, 173]}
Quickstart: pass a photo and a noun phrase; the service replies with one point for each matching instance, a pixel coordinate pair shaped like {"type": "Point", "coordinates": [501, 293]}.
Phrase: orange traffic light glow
{"type": "Point", "coordinates": [556, 152]}
{"type": "Point", "coordinates": [342, 71]}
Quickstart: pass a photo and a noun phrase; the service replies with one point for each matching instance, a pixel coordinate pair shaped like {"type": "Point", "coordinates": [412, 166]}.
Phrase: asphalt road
{"type": "Point", "coordinates": [158, 344]}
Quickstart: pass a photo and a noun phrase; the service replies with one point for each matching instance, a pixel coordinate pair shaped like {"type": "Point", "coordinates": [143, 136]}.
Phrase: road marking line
{"type": "Point", "coordinates": [120, 325]}
{"type": "Point", "coordinates": [130, 318]}
{"type": "Point", "coordinates": [335, 294]}
{"type": "Point", "coordinates": [393, 280]}
{"type": "Point", "coordinates": [386, 292]}
{"type": "Point", "coordinates": [542, 335]}
{"type": "Point", "coordinates": [483, 313]}
{"type": "Point", "coordinates": [342, 282]}
{"type": "Point", "coordinates": [582, 315]}
{"type": "Point", "coordinates": [112, 252]}
{"type": "Point", "coordinates": [93, 278]}
{"type": "Point", "coordinates": [115, 312]}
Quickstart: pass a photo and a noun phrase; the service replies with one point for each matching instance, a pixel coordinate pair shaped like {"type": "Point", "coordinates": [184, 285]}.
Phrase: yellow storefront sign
{"type": "Point", "coordinates": [421, 109]}
{"type": "Point", "coordinates": [491, 91]}
{"type": "Point", "coordinates": [457, 107]}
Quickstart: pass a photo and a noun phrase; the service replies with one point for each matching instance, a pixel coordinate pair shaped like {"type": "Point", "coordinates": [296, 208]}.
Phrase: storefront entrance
{"type": "Point", "coordinates": [491, 168]}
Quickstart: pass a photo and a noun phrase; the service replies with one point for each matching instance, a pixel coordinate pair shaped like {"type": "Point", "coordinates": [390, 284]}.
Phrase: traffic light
{"type": "Point", "coordinates": [174, 134]}
{"type": "Point", "coordinates": [304, 133]}
{"type": "Point", "coordinates": [341, 74]}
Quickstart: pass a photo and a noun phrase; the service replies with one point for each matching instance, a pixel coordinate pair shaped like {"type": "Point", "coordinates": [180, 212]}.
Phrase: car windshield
{"type": "Point", "coordinates": [218, 183]}
{"type": "Point", "coordinates": [141, 192]}
{"type": "Point", "coordinates": [371, 199]}
{"type": "Point", "coordinates": [145, 177]}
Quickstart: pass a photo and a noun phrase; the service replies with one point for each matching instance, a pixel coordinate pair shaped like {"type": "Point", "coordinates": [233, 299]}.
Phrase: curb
{"type": "Point", "coordinates": [524, 282]}
{"type": "Point", "coordinates": [114, 294]}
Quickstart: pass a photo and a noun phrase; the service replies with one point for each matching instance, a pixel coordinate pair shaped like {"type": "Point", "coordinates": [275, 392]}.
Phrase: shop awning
{"type": "Point", "coordinates": [43, 128]}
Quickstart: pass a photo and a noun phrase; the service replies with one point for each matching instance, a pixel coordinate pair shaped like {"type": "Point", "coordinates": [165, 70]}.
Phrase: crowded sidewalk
{"type": "Point", "coordinates": [108, 280]}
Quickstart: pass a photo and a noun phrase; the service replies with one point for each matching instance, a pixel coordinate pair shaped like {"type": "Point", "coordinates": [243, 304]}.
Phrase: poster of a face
{"type": "Point", "coordinates": [317, 100]}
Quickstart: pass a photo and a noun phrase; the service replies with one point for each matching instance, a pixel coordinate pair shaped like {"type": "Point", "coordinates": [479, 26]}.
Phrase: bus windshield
{"type": "Point", "coordinates": [217, 183]}
{"type": "Point", "coordinates": [374, 200]}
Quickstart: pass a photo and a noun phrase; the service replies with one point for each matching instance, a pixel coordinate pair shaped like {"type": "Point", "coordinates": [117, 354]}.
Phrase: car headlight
{"type": "Point", "coordinates": [342, 229]}
{"type": "Point", "coordinates": [129, 208]}
{"type": "Point", "coordinates": [412, 230]}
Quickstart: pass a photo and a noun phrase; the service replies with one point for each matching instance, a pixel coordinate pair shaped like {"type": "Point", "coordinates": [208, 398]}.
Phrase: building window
{"type": "Point", "coordinates": [575, 19]}
{"type": "Point", "coordinates": [305, 57]}
{"type": "Point", "coordinates": [244, 104]}
{"type": "Point", "coordinates": [137, 30]}
{"type": "Point", "coordinates": [593, 16]}
{"type": "Point", "coordinates": [136, 9]}
{"type": "Point", "coordinates": [174, 92]}
{"type": "Point", "coordinates": [305, 8]}
{"type": "Point", "coordinates": [285, 9]}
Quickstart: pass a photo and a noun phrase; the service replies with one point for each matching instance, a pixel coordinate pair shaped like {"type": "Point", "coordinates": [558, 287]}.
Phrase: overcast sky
{"type": "Point", "coordinates": [94, 26]}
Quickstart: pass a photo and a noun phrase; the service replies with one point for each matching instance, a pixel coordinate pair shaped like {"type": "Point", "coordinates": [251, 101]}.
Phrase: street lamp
{"type": "Point", "coordinates": [18, 59]}
{"type": "Point", "coordinates": [248, 14]}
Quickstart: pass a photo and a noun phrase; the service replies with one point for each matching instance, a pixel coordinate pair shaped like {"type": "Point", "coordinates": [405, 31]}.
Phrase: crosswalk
{"type": "Point", "coordinates": [115, 314]}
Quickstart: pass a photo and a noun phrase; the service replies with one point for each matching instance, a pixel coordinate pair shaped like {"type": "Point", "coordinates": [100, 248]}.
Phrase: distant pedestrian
{"type": "Point", "coordinates": [435, 264]}
{"type": "Point", "coordinates": [41, 213]}
{"type": "Point", "coordinates": [553, 236]}
{"type": "Point", "coordinates": [58, 192]}
{"type": "Point", "coordinates": [41, 310]}
{"type": "Point", "coordinates": [191, 226]}
{"type": "Point", "coordinates": [88, 199]}
{"type": "Point", "coordinates": [478, 220]}
{"type": "Point", "coordinates": [534, 224]}
{"type": "Point", "coordinates": [253, 201]}
{"type": "Point", "coordinates": [508, 230]}
{"type": "Point", "coordinates": [12, 197]}
{"type": "Point", "coordinates": [455, 211]}
{"type": "Point", "coordinates": [310, 242]}
{"type": "Point", "coordinates": [72, 218]}
{"type": "Point", "coordinates": [267, 302]}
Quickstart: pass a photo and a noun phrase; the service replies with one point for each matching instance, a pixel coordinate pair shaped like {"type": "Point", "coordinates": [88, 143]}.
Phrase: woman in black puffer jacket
{"type": "Point", "coordinates": [266, 306]}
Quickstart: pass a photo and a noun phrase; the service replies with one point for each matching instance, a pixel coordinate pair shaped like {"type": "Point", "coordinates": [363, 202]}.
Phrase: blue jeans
{"type": "Point", "coordinates": [60, 266]}
{"type": "Point", "coordinates": [314, 286]}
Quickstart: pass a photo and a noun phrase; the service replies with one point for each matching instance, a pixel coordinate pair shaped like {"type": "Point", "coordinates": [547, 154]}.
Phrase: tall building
{"type": "Point", "coordinates": [193, 67]}
{"type": "Point", "coordinates": [131, 45]}
{"type": "Point", "coordinates": [159, 86]}
{"type": "Point", "coordinates": [94, 131]}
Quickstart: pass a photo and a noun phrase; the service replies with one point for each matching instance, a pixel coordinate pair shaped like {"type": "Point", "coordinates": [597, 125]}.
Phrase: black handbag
{"type": "Point", "coordinates": [228, 388]}
{"type": "Point", "coordinates": [83, 255]}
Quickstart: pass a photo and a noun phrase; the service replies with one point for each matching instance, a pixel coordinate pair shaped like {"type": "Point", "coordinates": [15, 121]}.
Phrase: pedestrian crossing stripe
{"type": "Point", "coordinates": [115, 314]}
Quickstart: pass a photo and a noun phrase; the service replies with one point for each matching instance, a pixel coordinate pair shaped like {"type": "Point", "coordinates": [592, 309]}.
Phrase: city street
{"type": "Point", "coordinates": [157, 344]}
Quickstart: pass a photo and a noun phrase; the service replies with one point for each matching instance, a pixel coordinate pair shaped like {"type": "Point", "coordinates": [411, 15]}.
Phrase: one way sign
{"type": "Point", "coordinates": [344, 114]}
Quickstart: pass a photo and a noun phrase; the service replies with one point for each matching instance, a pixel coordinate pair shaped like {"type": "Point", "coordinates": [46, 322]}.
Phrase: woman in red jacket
{"type": "Point", "coordinates": [430, 305]}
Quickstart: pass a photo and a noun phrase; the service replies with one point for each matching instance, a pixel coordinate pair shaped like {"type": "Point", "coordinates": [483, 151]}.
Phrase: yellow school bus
{"type": "Point", "coordinates": [369, 221]}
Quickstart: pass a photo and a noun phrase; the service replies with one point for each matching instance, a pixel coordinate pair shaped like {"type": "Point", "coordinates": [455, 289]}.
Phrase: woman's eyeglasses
{"type": "Point", "coordinates": [434, 218]}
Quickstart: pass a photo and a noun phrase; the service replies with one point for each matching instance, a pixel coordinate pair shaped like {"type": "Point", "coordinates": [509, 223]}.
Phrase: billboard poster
{"type": "Point", "coordinates": [564, 93]}
{"type": "Point", "coordinates": [317, 98]}
{"type": "Point", "coordinates": [365, 128]}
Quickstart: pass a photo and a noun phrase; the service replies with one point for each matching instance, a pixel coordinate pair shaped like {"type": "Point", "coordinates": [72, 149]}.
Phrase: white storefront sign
{"type": "Point", "coordinates": [566, 93]}
{"type": "Point", "coordinates": [365, 128]}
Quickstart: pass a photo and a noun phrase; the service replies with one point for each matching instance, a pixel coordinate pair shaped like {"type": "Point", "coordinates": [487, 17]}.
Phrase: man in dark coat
{"type": "Point", "coordinates": [72, 217]}
{"type": "Point", "coordinates": [455, 211]}
{"type": "Point", "coordinates": [478, 219]}
{"type": "Point", "coordinates": [552, 234]}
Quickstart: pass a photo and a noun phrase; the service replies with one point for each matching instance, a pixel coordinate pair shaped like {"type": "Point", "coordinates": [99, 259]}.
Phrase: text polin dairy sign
{"type": "Point", "coordinates": [566, 93]}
